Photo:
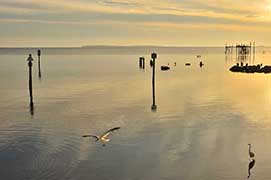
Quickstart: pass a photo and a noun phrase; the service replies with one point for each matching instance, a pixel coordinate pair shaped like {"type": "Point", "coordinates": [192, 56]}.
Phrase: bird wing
{"type": "Point", "coordinates": [89, 135]}
{"type": "Point", "coordinates": [108, 132]}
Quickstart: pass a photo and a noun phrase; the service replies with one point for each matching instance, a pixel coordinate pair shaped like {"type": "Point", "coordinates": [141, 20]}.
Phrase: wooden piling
{"type": "Point", "coordinates": [141, 62]}
{"type": "Point", "coordinates": [30, 59]}
{"type": "Point", "coordinates": [153, 56]}
{"type": "Point", "coordinates": [254, 48]}
{"type": "Point", "coordinates": [39, 54]}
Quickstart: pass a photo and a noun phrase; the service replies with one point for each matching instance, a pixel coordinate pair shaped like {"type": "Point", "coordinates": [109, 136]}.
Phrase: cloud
{"type": "Point", "coordinates": [144, 15]}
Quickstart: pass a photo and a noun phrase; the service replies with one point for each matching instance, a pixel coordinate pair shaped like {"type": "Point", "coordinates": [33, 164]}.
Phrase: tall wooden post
{"type": "Point", "coordinates": [30, 59]}
{"type": "Point", "coordinates": [153, 56]}
{"type": "Point", "coordinates": [143, 63]}
{"type": "Point", "coordinates": [254, 50]}
{"type": "Point", "coordinates": [39, 54]}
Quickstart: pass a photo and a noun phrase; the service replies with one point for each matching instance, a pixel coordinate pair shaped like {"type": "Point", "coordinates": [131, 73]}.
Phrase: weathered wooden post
{"type": "Point", "coordinates": [39, 54]}
{"type": "Point", "coordinates": [153, 56]}
{"type": "Point", "coordinates": [254, 50]}
{"type": "Point", "coordinates": [143, 63]}
{"type": "Point", "coordinates": [151, 63]}
{"type": "Point", "coordinates": [30, 59]}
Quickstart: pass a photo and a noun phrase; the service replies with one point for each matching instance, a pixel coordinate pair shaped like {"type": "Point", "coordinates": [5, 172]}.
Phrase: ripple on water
{"type": "Point", "coordinates": [37, 151]}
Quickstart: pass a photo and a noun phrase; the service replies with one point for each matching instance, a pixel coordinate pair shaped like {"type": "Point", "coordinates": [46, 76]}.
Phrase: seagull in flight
{"type": "Point", "coordinates": [104, 137]}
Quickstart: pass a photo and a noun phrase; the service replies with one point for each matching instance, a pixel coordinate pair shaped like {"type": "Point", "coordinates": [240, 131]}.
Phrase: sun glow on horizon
{"type": "Point", "coordinates": [78, 22]}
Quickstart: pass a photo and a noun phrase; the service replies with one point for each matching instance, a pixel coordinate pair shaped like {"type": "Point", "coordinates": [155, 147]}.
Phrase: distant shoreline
{"type": "Point", "coordinates": [108, 46]}
{"type": "Point", "coordinates": [116, 46]}
{"type": "Point", "coordinates": [106, 49]}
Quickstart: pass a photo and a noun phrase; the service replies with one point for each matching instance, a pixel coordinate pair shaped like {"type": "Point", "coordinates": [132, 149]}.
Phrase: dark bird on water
{"type": "Point", "coordinates": [250, 166]}
{"type": "Point", "coordinates": [104, 137]}
{"type": "Point", "coordinates": [250, 153]}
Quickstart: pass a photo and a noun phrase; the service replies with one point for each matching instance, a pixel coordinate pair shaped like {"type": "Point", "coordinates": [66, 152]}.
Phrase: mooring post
{"type": "Point", "coordinates": [30, 59]}
{"type": "Point", "coordinates": [254, 50]}
{"type": "Point", "coordinates": [39, 54]}
{"type": "Point", "coordinates": [143, 63]}
{"type": "Point", "coordinates": [140, 62]}
{"type": "Point", "coordinates": [153, 56]}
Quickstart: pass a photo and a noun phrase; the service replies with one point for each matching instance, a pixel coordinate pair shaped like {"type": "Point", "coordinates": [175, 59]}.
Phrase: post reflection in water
{"type": "Point", "coordinates": [153, 107]}
{"type": "Point", "coordinates": [31, 108]}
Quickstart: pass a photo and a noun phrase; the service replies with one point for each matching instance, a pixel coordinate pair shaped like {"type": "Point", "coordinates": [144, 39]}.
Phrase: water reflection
{"type": "Point", "coordinates": [250, 166]}
{"type": "Point", "coordinates": [31, 109]}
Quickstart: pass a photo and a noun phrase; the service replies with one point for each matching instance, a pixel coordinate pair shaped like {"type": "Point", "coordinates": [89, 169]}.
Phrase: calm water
{"type": "Point", "coordinates": [204, 121]}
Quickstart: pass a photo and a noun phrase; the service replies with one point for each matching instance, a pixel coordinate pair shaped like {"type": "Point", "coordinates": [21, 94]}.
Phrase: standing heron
{"type": "Point", "coordinates": [104, 137]}
{"type": "Point", "coordinates": [250, 153]}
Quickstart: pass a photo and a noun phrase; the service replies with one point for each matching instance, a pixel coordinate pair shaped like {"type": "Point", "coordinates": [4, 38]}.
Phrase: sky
{"type": "Point", "coordinates": [70, 23]}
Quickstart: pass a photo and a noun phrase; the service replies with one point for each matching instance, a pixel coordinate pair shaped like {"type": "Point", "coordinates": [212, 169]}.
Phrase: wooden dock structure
{"type": "Point", "coordinates": [240, 49]}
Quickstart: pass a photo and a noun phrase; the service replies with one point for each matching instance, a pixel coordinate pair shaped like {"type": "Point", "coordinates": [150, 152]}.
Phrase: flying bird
{"type": "Point", "coordinates": [250, 153]}
{"type": "Point", "coordinates": [104, 137]}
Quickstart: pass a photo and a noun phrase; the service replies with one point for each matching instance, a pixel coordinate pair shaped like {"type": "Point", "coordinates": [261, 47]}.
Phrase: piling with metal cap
{"type": "Point", "coordinates": [153, 56]}
{"type": "Point", "coordinates": [39, 54]}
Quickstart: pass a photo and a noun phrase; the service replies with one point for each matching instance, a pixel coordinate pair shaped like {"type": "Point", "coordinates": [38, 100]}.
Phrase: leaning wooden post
{"type": "Point", "coordinates": [39, 54]}
{"type": "Point", "coordinates": [153, 56]}
{"type": "Point", "coordinates": [30, 59]}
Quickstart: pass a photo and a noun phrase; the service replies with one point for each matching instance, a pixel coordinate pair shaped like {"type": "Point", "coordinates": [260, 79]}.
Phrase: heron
{"type": "Point", "coordinates": [250, 153]}
{"type": "Point", "coordinates": [104, 137]}
{"type": "Point", "coordinates": [250, 166]}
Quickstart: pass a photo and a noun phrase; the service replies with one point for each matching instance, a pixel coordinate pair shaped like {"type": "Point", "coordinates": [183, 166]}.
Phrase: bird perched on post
{"type": "Point", "coordinates": [104, 137]}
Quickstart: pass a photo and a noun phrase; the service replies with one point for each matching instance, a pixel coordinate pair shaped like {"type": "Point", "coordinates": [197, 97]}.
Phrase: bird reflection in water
{"type": "Point", "coordinates": [251, 160]}
{"type": "Point", "coordinates": [104, 137]}
{"type": "Point", "coordinates": [250, 166]}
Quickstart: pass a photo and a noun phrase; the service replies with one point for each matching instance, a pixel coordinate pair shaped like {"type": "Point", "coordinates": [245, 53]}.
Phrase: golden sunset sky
{"type": "Point", "coordinates": [53, 23]}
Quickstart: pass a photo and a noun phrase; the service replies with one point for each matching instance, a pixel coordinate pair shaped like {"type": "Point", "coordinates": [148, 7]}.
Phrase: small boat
{"type": "Point", "coordinates": [165, 68]}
